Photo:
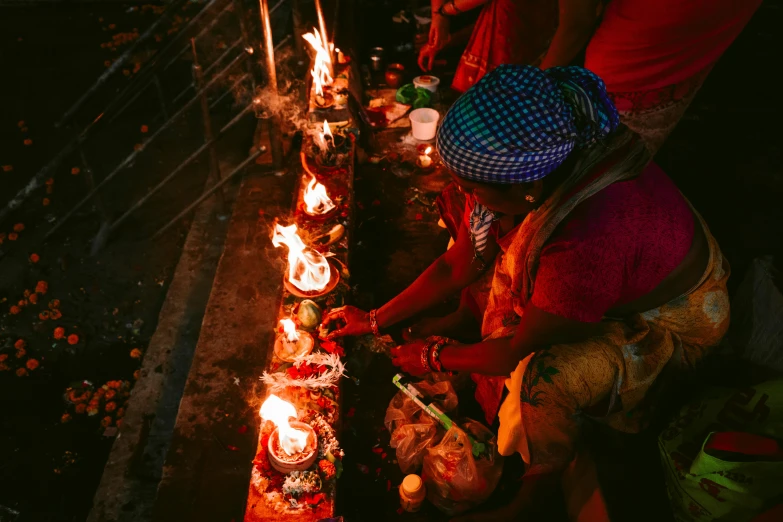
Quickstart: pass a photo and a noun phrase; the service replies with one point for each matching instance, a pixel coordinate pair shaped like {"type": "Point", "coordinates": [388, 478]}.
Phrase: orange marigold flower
{"type": "Point", "coordinates": [42, 287]}
{"type": "Point", "coordinates": [50, 181]}
{"type": "Point", "coordinates": [28, 141]}
{"type": "Point", "coordinates": [81, 408]}
{"type": "Point", "coordinates": [18, 227]}
{"type": "Point", "coordinates": [44, 316]}
{"type": "Point", "coordinates": [35, 257]}
{"type": "Point", "coordinates": [21, 372]}
{"type": "Point", "coordinates": [73, 339]}
{"type": "Point", "coordinates": [135, 353]}
{"type": "Point", "coordinates": [92, 409]}
{"type": "Point", "coordinates": [54, 303]}
{"type": "Point", "coordinates": [22, 303]}
{"type": "Point", "coordinates": [75, 170]}
{"type": "Point", "coordinates": [13, 236]}
{"type": "Point", "coordinates": [120, 412]}
{"type": "Point", "coordinates": [106, 421]}
{"type": "Point", "coordinates": [27, 293]}
{"type": "Point", "coordinates": [144, 129]}
{"type": "Point", "coordinates": [65, 418]}
{"type": "Point", "coordinates": [119, 422]}
{"type": "Point", "coordinates": [3, 357]}
{"type": "Point", "coordinates": [20, 352]}
{"type": "Point", "coordinates": [20, 344]}
{"type": "Point", "coordinates": [15, 310]}
{"type": "Point", "coordinates": [110, 407]}
{"type": "Point", "coordinates": [110, 394]}
{"type": "Point", "coordinates": [114, 385]}
{"type": "Point", "coordinates": [55, 314]}
{"type": "Point", "coordinates": [4, 367]}
{"type": "Point", "coordinates": [59, 332]}
{"type": "Point", "coordinates": [8, 168]}
{"type": "Point", "coordinates": [33, 298]}
{"type": "Point", "coordinates": [32, 364]}
{"type": "Point", "coordinates": [136, 375]}
{"type": "Point", "coordinates": [46, 202]}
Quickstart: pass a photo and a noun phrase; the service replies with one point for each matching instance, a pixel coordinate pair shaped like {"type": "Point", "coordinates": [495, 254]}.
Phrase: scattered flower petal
{"type": "Point", "coordinates": [13, 236]}
{"type": "Point", "coordinates": [15, 310]}
{"type": "Point", "coordinates": [65, 418]}
{"type": "Point", "coordinates": [28, 141]}
{"type": "Point", "coordinates": [34, 258]}
{"type": "Point", "coordinates": [59, 332]}
{"type": "Point", "coordinates": [31, 364]}
{"type": "Point", "coordinates": [20, 344]}
{"type": "Point", "coordinates": [73, 339]}
{"type": "Point", "coordinates": [42, 287]}
{"type": "Point", "coordinates": [75, 170]}
{"type": "Point", "coordinates": [8, 168]}
{"type": "Point", "coordinates": [18, 227]}
{"type": "Point", "coordinates": [144, 129]}
{"type": "Point", "coordinates": [33, 298]}
{"type": "Point", "coordinates": [46, 202]}
{"type": "Point", "coordinates": [21, 372]}
{"type": "Point", "coordinates": [135, 353]}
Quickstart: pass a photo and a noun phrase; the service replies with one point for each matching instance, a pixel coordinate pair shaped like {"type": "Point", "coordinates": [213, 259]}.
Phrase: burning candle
{"type": "Point", "coordinates": [321, 65]}
{"type": "Point", "coordinates": [308, 270]}
{"type": "Point", "coordinates": [317, 201]}
{"type": "Point", "coordinates": [341, 58]}
{"type": "Point", "coordinates": [292, 343]}
{"type": "Point", "coordinates": [275, 409]}
{"type": "Point", "coordinates": [424, 159]}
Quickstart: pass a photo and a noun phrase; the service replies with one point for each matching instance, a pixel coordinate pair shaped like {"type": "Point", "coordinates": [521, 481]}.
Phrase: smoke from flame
{"type": "Point", "coordinates": [277, 410]}
{"type": "Point", "coordinates": [308, 270]}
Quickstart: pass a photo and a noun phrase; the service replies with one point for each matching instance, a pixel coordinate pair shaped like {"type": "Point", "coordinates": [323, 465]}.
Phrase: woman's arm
{"type": "Point", "coordinates": [536, 329]}
{"type": "Point", "coordinates": [450, 273]}
{"type": "Point", "coordinates": [578, 19]}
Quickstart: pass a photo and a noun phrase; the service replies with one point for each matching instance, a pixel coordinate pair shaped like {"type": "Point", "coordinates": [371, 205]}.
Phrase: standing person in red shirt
{"type": "Point", "coordinates": [506, 32]}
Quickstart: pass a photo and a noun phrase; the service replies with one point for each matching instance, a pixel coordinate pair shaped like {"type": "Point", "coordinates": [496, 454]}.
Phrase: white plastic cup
{"type": "Point", "coordinates": [427, 81]}
{"type": "Point", "coordinates": [424, 123]}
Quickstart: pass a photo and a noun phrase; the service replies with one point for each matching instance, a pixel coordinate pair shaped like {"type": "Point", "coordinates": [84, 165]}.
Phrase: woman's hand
{"type": "Point", "coordinates": [427, 57]}
{"type": "Point", "coordinates": [354, 322]}
{"type": "Point", "coordinates": [439, 31]}
{"type": "Point", "coordinates": [408, 357]}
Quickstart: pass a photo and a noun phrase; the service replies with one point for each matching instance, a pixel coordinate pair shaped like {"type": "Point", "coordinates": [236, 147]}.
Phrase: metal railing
{"type": "Point", "coordinates": [206, 80]}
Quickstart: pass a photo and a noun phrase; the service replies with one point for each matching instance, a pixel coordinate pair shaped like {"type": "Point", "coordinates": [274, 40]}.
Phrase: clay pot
{"type": "Point", "coordinates": [395, 74]}
{"type": "Point", "coordinates": [303, 460]}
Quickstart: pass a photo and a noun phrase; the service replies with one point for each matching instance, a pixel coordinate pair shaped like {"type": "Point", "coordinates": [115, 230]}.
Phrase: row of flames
{"type": "Point", "coordinates": [308, 269]}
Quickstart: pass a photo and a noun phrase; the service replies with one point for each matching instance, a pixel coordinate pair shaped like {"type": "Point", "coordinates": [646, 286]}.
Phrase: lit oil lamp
{"type": "Point", "coordinates": [293, 445]}
{"type": "Point", "coordinates": [329, 150]}
{"type": "Point", "coordinates": [292, 343]}
{"type": "Point", "coordinates": [425, 161]}
{"type": "Point", "coordinates": [317, 202]}
{"type": "Point", "coordinates": [322, 78]}
{"type": "Point", "coordinates": [309, 273]}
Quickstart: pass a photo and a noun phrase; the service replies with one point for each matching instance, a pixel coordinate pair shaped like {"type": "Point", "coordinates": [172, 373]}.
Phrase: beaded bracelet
{"type": "Point", "coordinates": [434, 354]}
{"type": "Point", "coordinates": [374, 323]}
{"type": "Point", "coordinates": [425, 358]}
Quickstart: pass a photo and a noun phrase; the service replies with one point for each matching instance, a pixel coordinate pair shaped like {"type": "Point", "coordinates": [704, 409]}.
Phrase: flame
{"type": "Point", "coordinates": [289, 328]}
{"type": "Point", "coordinates": [322, 62]}
{"type": "Point", "coordinates": [427, 151]}
{"type": "Point", "coordinates": [308, 270]}
{"type": "Point", "coordinates": [316, 200]}
{"type": "Point", "coordinates": [277, 410]}
{"type": "Point", "coordinates": [327, 131]}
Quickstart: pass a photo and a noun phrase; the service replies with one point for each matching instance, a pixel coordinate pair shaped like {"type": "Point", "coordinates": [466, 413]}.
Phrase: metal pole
{"type": "Point", "coordinates": [132, 156]}
{"type": "Point", "coordinates": [298, 30]}
{"type": "Point", "coordinates": [322, 27]}
{"type": "Point", "coordinates": [198, 78]}
{"type": "Point", "coordinates": [178, 169]}
{"type": "Point", "coordinates": [275, 139]}
{"type": "Point", "coordinates": [211, 191]}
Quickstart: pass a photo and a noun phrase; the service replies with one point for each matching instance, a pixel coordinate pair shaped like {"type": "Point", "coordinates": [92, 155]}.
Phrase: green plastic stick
{"type": "Point", "coordinates": [433, 411]}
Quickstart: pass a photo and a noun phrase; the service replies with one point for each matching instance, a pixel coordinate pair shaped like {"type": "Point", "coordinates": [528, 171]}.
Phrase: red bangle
{"type": "Point", "coordinates": [374, 323]}
{"type": "Point", "coordinates": [425, 358]}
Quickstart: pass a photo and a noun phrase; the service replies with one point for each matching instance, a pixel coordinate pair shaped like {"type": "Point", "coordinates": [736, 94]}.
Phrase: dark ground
{"type": "Point", "coordinates": [49, 469]}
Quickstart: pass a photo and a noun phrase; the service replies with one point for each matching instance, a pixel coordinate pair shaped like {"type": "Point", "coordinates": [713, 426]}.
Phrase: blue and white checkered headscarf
{"type": "Point", "coordinates": [519, 123]}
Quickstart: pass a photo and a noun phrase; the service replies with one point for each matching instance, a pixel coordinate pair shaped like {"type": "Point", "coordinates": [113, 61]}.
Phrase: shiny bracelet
{"type": "Point", "coordinates": [425, 358]}
{"type": "Point", "coordinates": [374, 323]}
{"type": "Point", "coordinates": [434, 354]}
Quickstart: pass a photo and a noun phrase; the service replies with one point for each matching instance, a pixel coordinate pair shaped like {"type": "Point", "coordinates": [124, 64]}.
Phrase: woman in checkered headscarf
{"type": "Point", "coordinates": [585, 269]}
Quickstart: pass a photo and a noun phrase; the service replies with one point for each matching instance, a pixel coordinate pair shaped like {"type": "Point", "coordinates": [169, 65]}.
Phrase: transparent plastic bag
{"type": "Point", "coordinates": [456, 480]}
{"type": "Point", "coordinates": [412, 430]}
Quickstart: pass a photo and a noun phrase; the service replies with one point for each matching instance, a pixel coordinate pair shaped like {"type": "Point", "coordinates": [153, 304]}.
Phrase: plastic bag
{"type": "Point", "coordinates": [456, 480]}
{"type": "Point", "coordinates": [412, 430]}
